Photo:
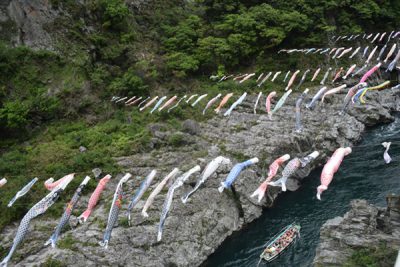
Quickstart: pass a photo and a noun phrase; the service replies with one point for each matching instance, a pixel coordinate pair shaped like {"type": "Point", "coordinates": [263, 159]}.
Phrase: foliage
{"type": "Point", "coordinates": [381, 256]}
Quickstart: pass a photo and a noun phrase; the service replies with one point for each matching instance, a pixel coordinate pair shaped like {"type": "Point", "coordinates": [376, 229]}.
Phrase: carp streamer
{"type": "Point", "coordinates": [234, 173]}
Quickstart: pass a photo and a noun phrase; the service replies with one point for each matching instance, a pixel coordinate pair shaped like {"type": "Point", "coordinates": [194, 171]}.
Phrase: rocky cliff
{"type": "Point", "coordinates": [193, 231]}
{"type": "Point", "coordinates": [363, 227]}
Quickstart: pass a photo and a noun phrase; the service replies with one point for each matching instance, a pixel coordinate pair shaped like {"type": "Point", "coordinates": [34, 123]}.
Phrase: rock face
{"type": "Point", "coordinates": [194, 230]}
{"type": "Point", "coordinates": [28, 20]}
{"type": "Point", "coordinates": [364, 226]}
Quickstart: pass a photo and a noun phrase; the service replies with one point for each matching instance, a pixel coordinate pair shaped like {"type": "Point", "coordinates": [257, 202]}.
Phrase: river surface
{"type": "Point", "coordinates": [363, 174]}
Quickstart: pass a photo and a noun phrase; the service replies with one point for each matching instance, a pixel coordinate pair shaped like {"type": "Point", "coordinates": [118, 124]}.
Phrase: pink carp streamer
{"type": "Point", "coordinates": [338, 74]}
{"type": "Point", "coordinates": [333, 91]}
{"type": "Point", "coordinates": [370, 72]}
{"type": "Point", "coordinates": [290, 83]}
{"type": "Point", "coordinates": [149, 103]}
{"type": "Point", "coordinates": [330, 168]}
{"type": "Point", "coordinates": [168, 103]}
{"type": "Point", "coordinates": [3, 182]}
{"type": "Point", "coordinates": [94, 198]}
{"type": "Point", "coordinates": [50, 184]}
{"type": "Point", "coordinates": [349, 71]}
{"type": "Point", "coordinates": [268, 103]}
{"type": "Point", "coordinates": [315, 74]}
{"type": "Point", "coordinates": [273, 170]}
{"type": "Point", "coordinates": [223, 102]}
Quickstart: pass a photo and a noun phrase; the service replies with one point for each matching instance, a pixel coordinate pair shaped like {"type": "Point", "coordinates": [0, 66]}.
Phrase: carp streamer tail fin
{"type": "Point", "coordinates": [85, 215]}
{"type": "Point", "coordinates": [260, 192]}
{"type": "Point", "coordinates": [52, 241]}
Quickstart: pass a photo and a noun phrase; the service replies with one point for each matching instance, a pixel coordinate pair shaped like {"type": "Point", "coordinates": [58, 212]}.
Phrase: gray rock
{"type": "Point", "coordinates": [358, 228]}
{"type": "Point", "coordinates": [82, 149]}
{"type": "Point", "coordinates": [97, 172]}
{"type": "Point", "coordinates": [191, 127]}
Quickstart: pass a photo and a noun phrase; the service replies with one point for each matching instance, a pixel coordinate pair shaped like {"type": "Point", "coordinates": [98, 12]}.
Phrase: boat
{"type": "Point", "coordinates": [280, 242]}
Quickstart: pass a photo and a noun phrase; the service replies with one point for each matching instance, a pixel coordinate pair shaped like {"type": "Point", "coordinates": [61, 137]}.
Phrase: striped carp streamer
{"type": "Point", "coordinates": [273, 170]}
{"type": "Point", "coordinates": [378, 87]}
{"type": "Point", "coordinates": [325, 51]}
{"type": "Point", "coordinates": [256, 104]}
{"type": "Point", "coordinates": [365, 51]}
{"type": "Point", "coordinates": [359, 70]}
{"type": "Point", "coordinates": [3, 182]}
{"type": "Point", "coordinates": [177, 104]}
{"type": "Point", "coordinates": [371, 55]}
{"type": "Point", "coordinates": [38, 209]}
{"type": "Point", "coordinates": [391, 51]}
{"type": "Point", "coordinates": [247, 77]}
{"type": "Point", "coordinates": [317, 96]}
{"type": "Point", "coordinates": [135, 101]}
{"type": "Point", "coordinates": [337, 52]}
{"type": "Point", "coordinates": [376, 36]}
{"type": "Point", "coordinates": [333, 50]}
{"type": "Point", "coordinates": [381, 52]}
{"type": "Point", "coordinates": [281, 101]}
{"type": "Point", "coordinates": [275, 76]}
{"type": "Point", "coordinates": [144, 101]}
{"type": "Point", "coordinates": [325, 76]}
{"type": "Point", "coordinates": [349, 71]}
{"type": "Point", "coordinates": [234, 105]}
{"type": "Point", "coordinates": [345, 52]}
{"type": "Point", "coordinates": [315, 74]}
{"type": "Point", "coordinates": [370, 72]}
{"type": "Point", "coordinates": [333, 91]}
{"type": "Point", "coordinates": [168, 200]}
{"type": "Point", "coordinates": [265, 79]}
{"type": "Point", "coordinates": [211, 102]}
{"type": "Point", "coordinates": [286, 76]}
{"type": "Point", "coordinates": [94, 198]}
{"type": "Point", "coordinates": [259, 77]}
{"type": "Point", "coordinates": [121, 99]}
{"type": "Point", "coordinates": [23, 191]}
{"type": "Point", "coordinates": [191, 97]}
{"type": "Point", "coordinates": [338, 74]}
{"type": "Point", "coordinates": [330, 168]}
{"type": "Point", "coordinates": [291, 169]}
{"type": "Point", "coordinates": [199, 99]}
{"type": "Point", "coordinates": [209, 170]}
{"type": "Point", "coordinates": [223, 102]}
{"type": "Point", "coordinates": [168, 103]}
{"type": "Point", "coordinates": [303, 78]}
{"type": "Point", "coordinates": [352, 91]}
{"type": "Point", "coordinates": [355, 52]}
{"type": "Point", "coordinates": [386, 155]}
{"type": "Point", "coordinates": [268, 103]}
{"type": "Point", "coordinates": [157, 190]}
{"type": "Point", "coordinates": [129, 100]}
{"type": "Point", "coordinates": [291, 81]}
{"type": "Point", "coordinates": [67, 213]}
{"type": "Point", "coordinates": [393, 64]}
{"type": "Point", "coordinates": [234, 173]}
{"type": "Point", "coordinates": [140, 192]}
{"type": "Point", "coordinates": [149, 103]}
{"type": "Point", "coordinates": [114, 210]}
{"type": "Point", "coordinates": [299, 101]}
{"type": "Point", "coordinates": [160, 101]}
{"type": "Point", "coordinates": [50, 184]}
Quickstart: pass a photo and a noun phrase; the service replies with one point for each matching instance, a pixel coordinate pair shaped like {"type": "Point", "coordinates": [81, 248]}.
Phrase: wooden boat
{"type": "Point", "coordinates": [280, 242]}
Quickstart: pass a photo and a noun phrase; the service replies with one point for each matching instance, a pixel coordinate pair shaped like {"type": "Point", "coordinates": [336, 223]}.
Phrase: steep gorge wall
{"type": "Point", "coordinates": [193, 231]}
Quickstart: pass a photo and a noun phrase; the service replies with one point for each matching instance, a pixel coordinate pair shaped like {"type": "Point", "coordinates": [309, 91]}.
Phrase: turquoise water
{"type": "Point", "coordinates": [363, 174]}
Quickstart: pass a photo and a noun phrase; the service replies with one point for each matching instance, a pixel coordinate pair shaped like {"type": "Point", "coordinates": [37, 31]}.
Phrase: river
{"type": "Point", "coordinates": [363, 174]}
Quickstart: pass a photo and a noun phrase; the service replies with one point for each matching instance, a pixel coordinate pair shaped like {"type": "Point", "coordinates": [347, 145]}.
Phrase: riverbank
{"type": "Point", "coordinates": [364, 234]}
{"type": "Point", "coordinates": [193, 231]}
